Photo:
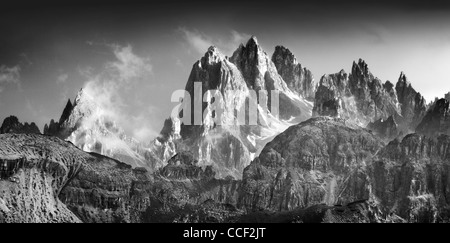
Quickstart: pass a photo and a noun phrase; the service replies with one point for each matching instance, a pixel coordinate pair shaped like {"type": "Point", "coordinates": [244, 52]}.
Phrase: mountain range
{"type": "Point", "coordinates": [347, 148]}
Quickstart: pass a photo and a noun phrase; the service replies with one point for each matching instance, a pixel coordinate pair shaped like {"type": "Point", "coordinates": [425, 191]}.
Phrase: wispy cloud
{"type": "Point", "coordinates": [9, 75]}
{"type": "Point", "coordinates": [62, 78]}
{"type": "Point", "coordinates": [200, 41]}
{"type": "Point", "coordinates": [128, 65]}
{"type": "Point", "coordinates": [111, 89]}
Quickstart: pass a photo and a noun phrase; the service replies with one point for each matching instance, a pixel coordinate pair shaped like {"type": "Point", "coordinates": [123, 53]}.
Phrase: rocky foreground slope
{"type": "Point", "coordinates": [321, 170]}
{"type": "Point", "coordinates": [326, 160]}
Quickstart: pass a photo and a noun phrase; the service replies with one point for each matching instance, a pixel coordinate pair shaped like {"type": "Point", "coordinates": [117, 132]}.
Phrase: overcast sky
{"type": "Point", "coordinates": [134, 56]}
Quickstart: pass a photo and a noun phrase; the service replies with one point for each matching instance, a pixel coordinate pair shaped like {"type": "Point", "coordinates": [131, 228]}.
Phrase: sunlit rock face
{"type": "Point", "coordinates": [225, 142]}
{"type": "Point", "coordinates": [358, 96]}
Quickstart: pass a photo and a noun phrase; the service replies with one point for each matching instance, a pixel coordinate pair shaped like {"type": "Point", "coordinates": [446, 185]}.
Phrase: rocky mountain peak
{"type": "Point", "coordinates": [402, 79]}
{"type": "Point", "coordinates": [413, 104]}
{"type": "Point", "coordinates": [284, 54]}
{"type": "Point", "coordinates": [360, 68]}
{"type": "Point", "coordinates": [11, 124]}
{"type": "Point", "coordinates": [359, 96]}
{"type": "Point", "coordinates": [299, 79]}
{"type": "Point", "coordinates": [253, 41]}
{"type": "Point", "coordinates": [385, 128]}
{"type": "Point", "coordinates": [66, 112]}
{"type": "Point", "coordinates": [212, 56]}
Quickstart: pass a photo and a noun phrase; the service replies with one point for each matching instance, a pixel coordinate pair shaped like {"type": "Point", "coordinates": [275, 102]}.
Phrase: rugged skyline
{"type": "Point", "coordinates": [133, 57]}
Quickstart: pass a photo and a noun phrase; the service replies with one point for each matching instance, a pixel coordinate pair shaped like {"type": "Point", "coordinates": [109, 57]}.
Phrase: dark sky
{"type": "Point", "coordinates": [134, 55]}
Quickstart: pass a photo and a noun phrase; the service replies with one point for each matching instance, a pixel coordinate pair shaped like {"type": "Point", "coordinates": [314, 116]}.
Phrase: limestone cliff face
{"type": "Point", "coordinates": [411, 178]}
{"type": "Point", "coordinates": [317, 161]}
{"type": "Point", "coordinates": [46, 179]}
{"type": "Point", "coordinates": [413, 105]}
{"type": "Point", "coordinates": [299, 79]}
{"type": "Point", "coordinates": [437, 120]}
{"type": "Point", "coordinates": [332, 90]}
{"type": "Point", "coordinates": [12, 125]}
{"type": "Point", "coordinates": [33, 171]}
{"type": "Point", "coordinates": [386, 129]}
{"type": "Point", "coordinates": [324, 160]}
{"type": "Point", "coordinates": [305, 175]}
{"type": "Point", "coordinates": [107, 191]}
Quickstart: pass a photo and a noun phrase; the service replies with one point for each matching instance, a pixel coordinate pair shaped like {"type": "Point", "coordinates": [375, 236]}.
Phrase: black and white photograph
{"type": "Point", "coordinates": [224, 112]}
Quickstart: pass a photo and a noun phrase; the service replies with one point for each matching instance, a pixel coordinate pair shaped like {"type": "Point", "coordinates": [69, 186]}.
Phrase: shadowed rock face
{"type": "Point", "coordinates": [303, 175]}
{"type": "Point", "coordinates": [184, 166]}
{"type": "Point", "coordinates": [437, 120]}
{"type": "Point", "coordinates": [45, 179]}
{"type": "Point", "coordinates": [411, 178]}
{"type": "Point", "coordinates": [413, 105]}
{"type": "Point", "coordinates": [110, 191]}
{"type": "Point", "coordinates": [299, 79]}
{"type": "Point", "coordinates": [386, 129]}
{"type": "Point", "coordinates": [317, 161]}
{"type": "Point", "coordinates": [361, 211]}
{"type": "Point", "coordinates": [12, 125]}
{"type": "Point", "coordinates": [324, 160]}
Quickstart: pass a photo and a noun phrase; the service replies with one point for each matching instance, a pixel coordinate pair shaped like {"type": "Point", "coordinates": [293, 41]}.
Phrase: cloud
{"type": "Point", "coordinates": [113, 88]}
{"type": "Point", "coordinates": [200, 41]}
{"type": "Point", "coordinates": [62, 78]}
{"type": "Point", "coordinates": [9, 75]}
{"type": "Point", "coordinates": [128, 65]}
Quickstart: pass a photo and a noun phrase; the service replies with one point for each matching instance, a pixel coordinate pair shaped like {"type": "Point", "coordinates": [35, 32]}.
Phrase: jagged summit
{"type": "Point", "coordinates": [212, 55]}
{"type": "Point", "coordinates": [252, 41]}
{"type": "Point", "coordinates": [299, 79]}
{"type": "Point", "coordinates": [284, 52]}
{"type": "Point", "coordinates": [361, 68]}
{"type": "Point", "coordinates": [229, 148]}
{"type": "Point", "coordinates": [11, 124]}
{"type": "Point", "coordinates": [66, 112]}
{"type": "Point", "coordinates": [363, 98]}
{"type": "Point", "coordinates": [403, 80]}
